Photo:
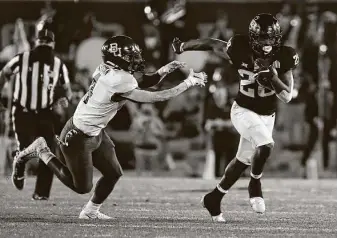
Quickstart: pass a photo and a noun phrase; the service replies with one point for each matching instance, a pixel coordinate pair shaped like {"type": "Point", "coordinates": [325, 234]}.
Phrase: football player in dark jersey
{"type": "Point", "coordinates": [264, 68]}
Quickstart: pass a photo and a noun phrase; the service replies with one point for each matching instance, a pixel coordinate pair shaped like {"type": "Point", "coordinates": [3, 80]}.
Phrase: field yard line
{"type": "Point", "coordinates": [228, 227]}
{"type": "Point", "coordinates": [233, 212]}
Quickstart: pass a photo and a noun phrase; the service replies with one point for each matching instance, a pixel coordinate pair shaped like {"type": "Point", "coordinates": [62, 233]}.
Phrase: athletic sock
{"type": "Point", "coordinates": [218, 192]}
{"type": "Point", "coordinates": [92, 207]}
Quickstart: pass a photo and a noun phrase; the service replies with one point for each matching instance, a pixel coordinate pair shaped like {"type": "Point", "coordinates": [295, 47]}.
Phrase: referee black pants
{"type": "Point", "coordinates": [27, 126]}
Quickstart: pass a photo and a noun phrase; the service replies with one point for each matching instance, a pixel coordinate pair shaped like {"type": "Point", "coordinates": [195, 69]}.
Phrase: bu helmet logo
{"type": "Point", "coordinates": [113, 49]}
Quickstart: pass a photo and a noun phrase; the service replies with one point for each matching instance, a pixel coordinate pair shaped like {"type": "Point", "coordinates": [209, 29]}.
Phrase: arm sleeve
{"type": "Point", "coordinates": [230, 47]}
{"type": "Point", "coordinates": [290, 60]}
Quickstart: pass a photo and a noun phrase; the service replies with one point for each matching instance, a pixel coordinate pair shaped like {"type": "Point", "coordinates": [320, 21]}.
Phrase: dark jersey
{"type": "Point", "coordinates": [251, 95]}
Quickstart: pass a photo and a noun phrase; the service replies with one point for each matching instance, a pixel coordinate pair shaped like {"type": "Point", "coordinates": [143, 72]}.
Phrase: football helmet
{"type": "Point", "coordinates": [265, 35]}
{"type": "Point", "coordinates": [122, 52]}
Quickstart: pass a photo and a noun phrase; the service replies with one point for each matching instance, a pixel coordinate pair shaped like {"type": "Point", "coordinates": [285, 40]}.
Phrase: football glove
{"type": "Point", "coordinates": [263, 77]}
{"type": "Point", "coordinates": [196, 79]}
{"type": "Point", "coordinates": [177, 45]}
{"type": "Point", "coordinates": [264, 82]}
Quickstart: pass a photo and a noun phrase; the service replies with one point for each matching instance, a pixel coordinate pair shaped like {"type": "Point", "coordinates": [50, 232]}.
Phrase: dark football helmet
{"type": "Point", "coordinates": [122, 52]}
{"type": "Point", "coordinates": [265, 35]}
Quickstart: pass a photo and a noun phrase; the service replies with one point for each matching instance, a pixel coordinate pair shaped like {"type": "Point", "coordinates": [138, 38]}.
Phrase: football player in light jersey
{"type": "Point", "coordinates": [264, 68]}
{"type": "Point", "coordinates": [83, 141]}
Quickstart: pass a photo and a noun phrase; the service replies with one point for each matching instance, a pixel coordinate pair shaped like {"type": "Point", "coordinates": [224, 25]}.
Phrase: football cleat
{"type": "Point", "coordinates": [18, 172]}
{"type": "Point", "coordinates": [215, 218]}
{"type": "Point", "coordinates": [93, 215]}
{"type": "Point", "coordinates": [256, 200]}
{"type": "Point", "coordinates": [37, 197]}
{"type": "Point", "coordinates": [22, 157]}
{"type": "Point", "coordinates": [258, 205]}
{"type": "Point", "coordinates": [33, 150]}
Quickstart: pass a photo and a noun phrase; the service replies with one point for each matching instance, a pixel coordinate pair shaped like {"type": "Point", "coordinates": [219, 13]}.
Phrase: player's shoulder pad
{"type": "Point", "coordinates": [288, 57]}
{"type": "Point", "coordinates": [121, 81]}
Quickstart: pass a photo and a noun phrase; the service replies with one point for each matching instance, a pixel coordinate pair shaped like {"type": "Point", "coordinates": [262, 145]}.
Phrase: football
{"type": "Point", "coordinates": [265, 81]}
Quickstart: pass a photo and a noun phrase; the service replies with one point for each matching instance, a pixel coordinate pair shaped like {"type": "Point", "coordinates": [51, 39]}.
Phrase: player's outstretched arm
{"type": "Point", "coordinates": [208, 44]}
{"type": "Point", "coordinates": [150, 80]}
{"type": "Point", "coordinates": [144, 96]}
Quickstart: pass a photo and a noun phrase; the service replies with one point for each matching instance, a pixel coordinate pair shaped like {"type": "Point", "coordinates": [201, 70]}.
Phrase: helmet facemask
{"type": "Point", "coordinates": [136, 63]}
{"type": "Point", "coordinates": [265, 45]}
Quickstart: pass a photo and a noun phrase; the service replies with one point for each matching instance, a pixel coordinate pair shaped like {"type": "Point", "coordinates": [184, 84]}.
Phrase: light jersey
{"type": "Point", "coordinates": [96, 108]}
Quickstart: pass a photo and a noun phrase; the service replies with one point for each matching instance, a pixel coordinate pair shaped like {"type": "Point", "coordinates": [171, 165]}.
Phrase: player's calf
{"type": "Point", "coordinates": [212, 200]}
{"type": "Point", "coordinates": [261, 155]}
{"type": "Point", "coordinates": [213, 205]}
{"type": "Point", "coordinates": [256, 200]}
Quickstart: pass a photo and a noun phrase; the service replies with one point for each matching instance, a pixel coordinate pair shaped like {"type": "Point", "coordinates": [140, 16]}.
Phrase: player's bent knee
{"type": "Point", "coordinates": [118, 174]}
{"type": "Point", "coordinates": [265, 150]}
{"type": "Point", "coordinates": [84, 188]}
{"type": "Point", "coordinates": [246, 161]}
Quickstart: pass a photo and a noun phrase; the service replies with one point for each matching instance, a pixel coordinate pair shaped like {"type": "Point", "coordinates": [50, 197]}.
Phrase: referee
{"type": "Point", "coordinates": [39, 77]}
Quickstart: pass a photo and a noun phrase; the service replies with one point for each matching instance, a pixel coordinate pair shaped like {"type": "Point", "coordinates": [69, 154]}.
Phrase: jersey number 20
{"type": "Point", "coordinates": [247, 85]}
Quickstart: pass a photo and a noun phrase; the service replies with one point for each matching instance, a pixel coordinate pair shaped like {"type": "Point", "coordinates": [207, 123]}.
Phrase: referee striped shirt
{"type": "Point", "coordinates": [35, 80]}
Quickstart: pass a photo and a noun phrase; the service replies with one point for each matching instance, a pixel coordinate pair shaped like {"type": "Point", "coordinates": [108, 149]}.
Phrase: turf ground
{"type": "Point", "coordinates": [169, 207]}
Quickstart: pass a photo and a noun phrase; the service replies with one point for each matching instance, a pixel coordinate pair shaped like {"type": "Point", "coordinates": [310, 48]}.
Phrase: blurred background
{"type": "Point", "coordinates": [190, 135]}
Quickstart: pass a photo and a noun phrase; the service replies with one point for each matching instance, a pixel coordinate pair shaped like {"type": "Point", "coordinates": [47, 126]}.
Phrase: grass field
{"type": "Point", "coordinates": [169, 207]}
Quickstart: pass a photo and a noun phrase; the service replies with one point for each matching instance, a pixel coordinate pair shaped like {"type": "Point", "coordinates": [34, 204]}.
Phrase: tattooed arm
{"type": "Point", "coordinates": [138, 95]}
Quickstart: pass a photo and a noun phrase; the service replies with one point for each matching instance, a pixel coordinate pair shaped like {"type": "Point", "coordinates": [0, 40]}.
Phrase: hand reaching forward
{"type": "Point", "coordinates": [193, 79]}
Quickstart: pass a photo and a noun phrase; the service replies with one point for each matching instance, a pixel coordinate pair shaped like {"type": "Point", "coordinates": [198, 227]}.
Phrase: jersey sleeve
{"type": "Point", "coordinates": [235, 47]}
{"type": "Point", "coordinates": [290, 59]}
{"type": "Point", "coordinates": [230, 47]}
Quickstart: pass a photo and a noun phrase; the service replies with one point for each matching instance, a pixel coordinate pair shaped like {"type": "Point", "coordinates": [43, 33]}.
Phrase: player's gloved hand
{"type": "Point", "coordinates": [266, 72]}
{"type": "Point", "coordinates": [177, 45]}
{"type": "Point", "coordinates": [170, 67]}
{"type": "Point", "coordinates": [264, 77]}
{"type": "Point", "coordinates": [193, 79]}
